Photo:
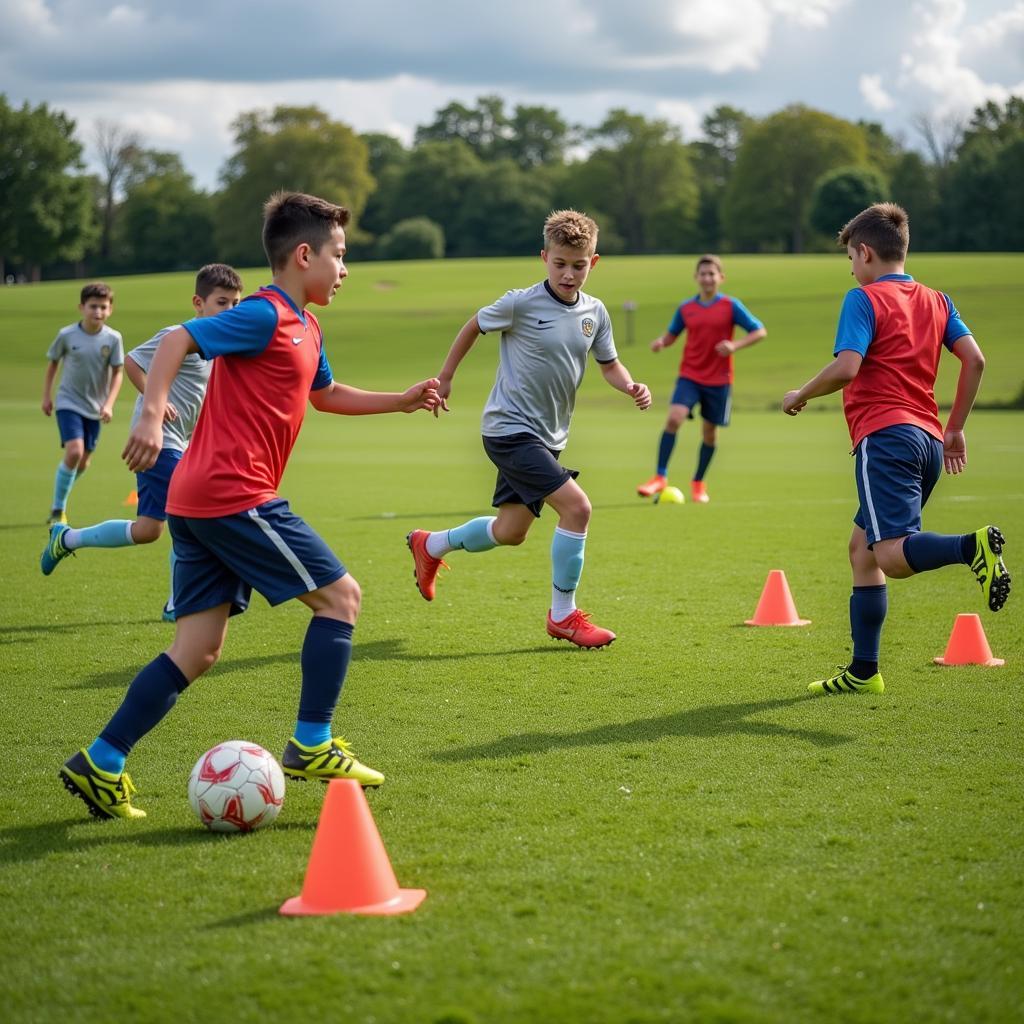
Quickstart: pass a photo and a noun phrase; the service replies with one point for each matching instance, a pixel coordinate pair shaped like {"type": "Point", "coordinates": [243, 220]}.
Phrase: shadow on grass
{"type": "Point", "coordinates": [712, 720]}
{"type": "Point", "coordinates": [28, 634]}
{"type": "Point", "coordinates": [19, 843]}
{"type": "Point", "coordinates": [249, 918]}
{"type": "Point", "coordinates": [464, 514]}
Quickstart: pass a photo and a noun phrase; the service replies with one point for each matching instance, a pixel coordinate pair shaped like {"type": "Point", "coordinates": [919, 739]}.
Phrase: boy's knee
{"type": "Point", "coordinates": [341, 599]}
{"type": "Point", "coordinates": [509, 534]}
{"type": "Point", "coordinates": [676, 416]}
{"type": "Point", "coordinates": [146, 530]}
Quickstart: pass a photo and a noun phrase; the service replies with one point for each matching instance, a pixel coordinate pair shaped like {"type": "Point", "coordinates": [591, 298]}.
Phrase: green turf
{"type": "Point", "coordinates": [668, 830]}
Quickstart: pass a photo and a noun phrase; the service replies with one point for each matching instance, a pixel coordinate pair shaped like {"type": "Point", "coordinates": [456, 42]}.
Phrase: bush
{"type": "Point", "coordinates": [417, 238]}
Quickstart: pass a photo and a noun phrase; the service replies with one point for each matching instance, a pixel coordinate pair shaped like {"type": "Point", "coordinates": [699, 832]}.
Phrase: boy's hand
{"type": "Point", "coordinates": [657, 345]}
{"type": "Point", "coordinates": [106, 414]}
{"type": "Point", "coordinates": [790, 406]}
{"type": "Point", "coordinates": [641, 394]}
{"type": "Point", "coordinates": [444, 390]}
{"type": "Point", "coordinates": [170, 413]}
{"type": "Point", "coordinates": [47, 406]}
{"type": "Point", "coordinates": [143, 445]}
{"type": "Point", "coordinates": [421, 396]}
{"type": "Point", "coordinates": [954, 451]}
{"type": "Point", "coordinates": [725, 347]}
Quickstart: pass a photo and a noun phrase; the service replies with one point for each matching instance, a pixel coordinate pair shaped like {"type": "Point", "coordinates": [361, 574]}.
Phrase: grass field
{"type": "Point", "coordinates": [668, 830]}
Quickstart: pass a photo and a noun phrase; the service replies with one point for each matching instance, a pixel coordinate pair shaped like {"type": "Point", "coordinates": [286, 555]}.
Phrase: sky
{"type": "Point", "coordinates": [179, 73]}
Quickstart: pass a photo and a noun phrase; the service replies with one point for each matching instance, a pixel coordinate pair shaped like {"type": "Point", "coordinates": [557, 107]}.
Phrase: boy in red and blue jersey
{"type": "Point", "coordinates": [231, 530]}
{"type": "Point", "coordinates": [886, 357]}
{"type": "Point", "coordinates": [705, 370]}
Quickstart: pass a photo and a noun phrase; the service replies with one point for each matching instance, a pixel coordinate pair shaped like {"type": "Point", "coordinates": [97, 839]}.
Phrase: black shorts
{"type": "Point", "coordinates": [528, 471]}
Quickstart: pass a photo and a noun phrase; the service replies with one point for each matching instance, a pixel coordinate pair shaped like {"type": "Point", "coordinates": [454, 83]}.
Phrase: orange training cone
{"type": "Point", "coordinates": [776, 607]}
{"type": "Point", "coordinates": [132, 499]}
{"type": "Point", "coordinates": [349, 871]}
{"type": "Point", "coordinates": [968, 645]}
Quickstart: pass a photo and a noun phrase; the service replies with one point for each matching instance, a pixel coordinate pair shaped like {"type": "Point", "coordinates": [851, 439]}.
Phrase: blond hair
{"type": "Point", "coordinates": [713, 260]}
{"type": "Point", "coordinates": [885, 227]}
{"type": "Point", "coordinates": [572, 229]}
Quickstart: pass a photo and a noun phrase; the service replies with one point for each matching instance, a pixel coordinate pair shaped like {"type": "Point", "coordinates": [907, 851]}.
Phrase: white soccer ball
{"type": "Point", "coordinates": [236, 787]}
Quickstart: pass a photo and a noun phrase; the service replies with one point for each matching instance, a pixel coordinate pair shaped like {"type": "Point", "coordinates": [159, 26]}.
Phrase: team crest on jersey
{"type": "Point", "coordinates": [588, 326]}
{"type": "Point", "coordinates": [105, 351]}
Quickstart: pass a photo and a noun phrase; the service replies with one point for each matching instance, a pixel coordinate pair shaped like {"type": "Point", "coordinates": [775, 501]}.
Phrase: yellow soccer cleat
{"type": "Point", "coordinates": [105, 794]}
{"type": "Point", "coordinates": [331, 760]}
{"type": "Point", "coordinates": [989, 568]}
{"type": "Point", "coordinates": [843, 682]}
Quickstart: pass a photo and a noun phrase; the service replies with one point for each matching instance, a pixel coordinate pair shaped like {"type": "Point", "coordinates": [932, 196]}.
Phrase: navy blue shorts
{"type": "Point", "coordinates": [528, 471]}
{"type": "Point", "coordinates": [73, 425]}
{"type": "Point", "coordinates": [267, 548]}
{"type": "Point", "coordinates": [715, 401]}
{"type": "Point", "coordinates": [897, 468]}
{"type": "Point", "coordinates": [152, 485]}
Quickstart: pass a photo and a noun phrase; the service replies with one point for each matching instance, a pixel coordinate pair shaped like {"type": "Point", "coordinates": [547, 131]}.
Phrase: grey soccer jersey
{"type": "Point", "coordinates": [87, 363]}
{"type": "Point", "coordinates": [543, 355]}
{"type": "Point", "coordinates": [186, 392]}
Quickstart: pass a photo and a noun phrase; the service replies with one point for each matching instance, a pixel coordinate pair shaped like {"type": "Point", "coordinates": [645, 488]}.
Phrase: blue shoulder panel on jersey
{"type": "Point", "coordinates": [743, 317]}
{"type": "Point", "coordinates": [323, 377]}
{"type": "Point", "coordinates": [955, 327]}
{"type": "Point", "coordinates": [856, 323]}
{"type": "Point", "coordinates": [244, 330]}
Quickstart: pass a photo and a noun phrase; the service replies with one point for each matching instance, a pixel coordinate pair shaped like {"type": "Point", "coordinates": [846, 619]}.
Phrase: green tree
{"type": "Point", "coordinates": [537, 137]}
{"type": "Point", "coordinates": [714, 158]}
{"type": "Point", "coordinates": [640, 175]}
{"type": "Point", "coordinates": [482, 128]}
{"type": "Point", "coordinates": [915, 186]}
{"type": "Point", "coordinates": [842, 193]}
{"type": "Point", "coordinates": [164, 222]}
{"type": "Point", "coordinates": [46, 202]}
{"type": "Point", "coordinates": [768, 197]}
{"type": "Point", "coordinates": [387, 158]}
{"type": "Point", "coordinates": [294, 148]}
{"type": "Point", "coordinates": [417, 238]}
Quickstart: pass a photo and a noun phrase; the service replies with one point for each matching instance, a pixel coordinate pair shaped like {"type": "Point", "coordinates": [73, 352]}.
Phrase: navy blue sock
{"type": "Point", "coordinates": [325, 656]}
{"type": "Point", "coordinates": [868, 606]}
{"type": "Point", "coordinates": [665, 446]}
{"type": "Point", "coordinates": [924, 551]}
{"type": "Point", "coordinates": [707, 451]}
{"type": "Point", "coordinates": [151, 694]}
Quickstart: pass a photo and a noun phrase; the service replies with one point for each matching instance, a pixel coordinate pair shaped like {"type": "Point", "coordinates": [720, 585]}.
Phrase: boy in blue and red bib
{"type": "Point", "coordinates": [231, 531]}
{"type": "Point", "coordinates": [891, 333]}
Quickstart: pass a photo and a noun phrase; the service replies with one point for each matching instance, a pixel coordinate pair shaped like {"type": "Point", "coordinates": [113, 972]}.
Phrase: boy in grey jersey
{"type": "Point", "coordinates": [547, 332]}
{"type": "Point", "coordinates": [92, 355]}
{"type": "Point", "coordinates": [218, 287]}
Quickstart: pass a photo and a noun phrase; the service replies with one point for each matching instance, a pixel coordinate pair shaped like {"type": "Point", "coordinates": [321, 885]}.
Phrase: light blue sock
{"type": "Point", "coordinates": [104, 756]}
{"type": "Point", "coordinates": [312, 734]}
{"type": "Point", "coordinates": [62, 485]}
{"type": "Point", "coordinates": [566, 570]}
{"type": "Point", "coordinates": [473, 536]}
{"type": "Point", "coordinates": [172, 558]}
{"type": "Point", "coordinates": [114, 533]}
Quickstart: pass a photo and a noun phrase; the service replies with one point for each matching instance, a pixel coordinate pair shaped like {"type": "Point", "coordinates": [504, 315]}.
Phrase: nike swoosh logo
{"type": "Point", "coordinates": [297, 341]}
{"type": "Point", "coordinates": [541, 322]}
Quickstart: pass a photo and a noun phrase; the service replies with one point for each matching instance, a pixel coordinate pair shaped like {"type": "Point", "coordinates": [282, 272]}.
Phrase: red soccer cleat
{"type": "Point", "coordinates": [698, 492]}
{"type": "Point", "coordinates": [579, 630]}
{"type": "Point", "coordinates": [426, 566]}
{"type": "Point", "coordinates": [655, 485]}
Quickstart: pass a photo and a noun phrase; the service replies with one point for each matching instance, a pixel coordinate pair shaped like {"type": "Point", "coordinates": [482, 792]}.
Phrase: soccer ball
{"type": "Point", "coordinates": [236, 787]}
{"type": "Point", "coordinates": [669, 496]}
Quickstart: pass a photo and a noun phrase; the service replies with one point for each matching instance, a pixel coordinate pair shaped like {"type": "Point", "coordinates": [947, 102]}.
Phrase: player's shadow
{"type": "Point", "coordinates": [699, 723]}
{"type": "Point", "coordinates": [32, 632]}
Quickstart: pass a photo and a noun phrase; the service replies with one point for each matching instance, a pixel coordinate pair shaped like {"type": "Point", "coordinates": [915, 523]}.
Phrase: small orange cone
{"type": "Point", "coordinates": [349, 871]}
{"type": "Point", "coordinates": [968, 644]}
{"type": "Point", "coordinates": [132, 499]}
{"type": "Point", "coordinates": [776, 607]}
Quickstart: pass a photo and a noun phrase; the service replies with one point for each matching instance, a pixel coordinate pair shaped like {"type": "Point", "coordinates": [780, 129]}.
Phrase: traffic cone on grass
{"type": "Point", "coordinates": [776, 607]}
{"type": "Point", "coordinates": [131, 500]}
{"type": "Point", "coordinates": [968, 644]}
{"type": "Point", "coordinates": [349, 871]}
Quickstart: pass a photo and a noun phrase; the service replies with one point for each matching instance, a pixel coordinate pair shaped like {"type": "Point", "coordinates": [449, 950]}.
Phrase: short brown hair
{"type": "Point", "coordinates": [294, 218]}
{"type": "Point", "coordinates": [96, 290]}
{"type": "Point", "coordinates": [712, 259]}
{"type": "Point", "coordinates": [885, 227]}
{"type": "Point", "coordinates": [217, 275]}
{"type": "Point", "coordinates": [572, 229]}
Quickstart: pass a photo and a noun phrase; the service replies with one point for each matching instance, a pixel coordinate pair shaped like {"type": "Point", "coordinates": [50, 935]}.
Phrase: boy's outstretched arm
{"type": "Point", "coordinates": [51, 373]}
{"type": "Point", "coordinates": [116, 380]}
{"type": "Point", "coordinates": [344, 400]}
{"type": "Point", "coordinates": [663, 341]}
{"type": "Point", "coordinates": [972, 367]}
{"type": "Point", "coordinates": [833, 377]}
{"type": "Point", "coordinates": [147, 438]}
{"type": "Point", "coordinates": [463, 342]}
{"type": "Point", "coordinates": [729, 345]}
{"type": "Point", "coordinates": [618, 376]}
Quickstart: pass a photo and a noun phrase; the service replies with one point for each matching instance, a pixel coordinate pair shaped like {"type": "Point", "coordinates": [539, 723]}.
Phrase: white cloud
{"type": "Point", "coordinates": [874, 93]}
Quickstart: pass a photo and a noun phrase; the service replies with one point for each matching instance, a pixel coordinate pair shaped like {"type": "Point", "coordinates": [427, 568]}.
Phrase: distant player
{"type": "Point", "coordinates": [705, 370]}
{"type": "Point", "coordinates": [218, 287]}
{"type": "Point", "coordinates": [886, 357]}
{"type": "Point", "coordinates": [547, 333]}
{"type": "Point", "coordinates": [92, 354]}
{"type": "Point", "coordinates": [231, 531]}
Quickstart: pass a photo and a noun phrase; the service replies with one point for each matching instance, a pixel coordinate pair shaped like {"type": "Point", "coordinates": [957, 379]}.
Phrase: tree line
{"type": "Point", "coordinates": [479, 180]}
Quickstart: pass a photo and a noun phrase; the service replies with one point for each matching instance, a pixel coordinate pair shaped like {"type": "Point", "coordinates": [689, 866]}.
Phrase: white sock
{"type": "Point", "coordinates": [438, 545]}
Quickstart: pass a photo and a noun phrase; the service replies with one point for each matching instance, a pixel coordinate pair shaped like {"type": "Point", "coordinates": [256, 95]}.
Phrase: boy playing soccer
{"type": "Point", "coordinates": [218, 287]}
{"type": "Point", "coordinates": [886, 357]}
{"type": "Point", "coordinates": [705, 370]}
{"type": "Point", "coordinates": [231, 531]}
{"type": "Point", "coordinates": [93, 355]}
{"type": "Point", "coordinates": [547, 331]}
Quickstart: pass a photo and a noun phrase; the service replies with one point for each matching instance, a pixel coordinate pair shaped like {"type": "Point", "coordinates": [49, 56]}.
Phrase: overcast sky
{"type": "Point", "coordinates": [179, 72]}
